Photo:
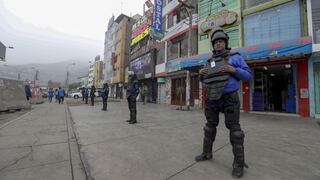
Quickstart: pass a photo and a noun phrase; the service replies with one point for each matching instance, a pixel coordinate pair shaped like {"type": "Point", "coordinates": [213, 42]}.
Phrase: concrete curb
{"type": "Point", "coordinates": [83, 159]}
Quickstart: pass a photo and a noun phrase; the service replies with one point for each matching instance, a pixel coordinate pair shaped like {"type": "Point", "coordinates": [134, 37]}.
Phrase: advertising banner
{"type": "Point", "coordinates": [157, 16]}
{"type": "Point", "coordinates": [142, 66]}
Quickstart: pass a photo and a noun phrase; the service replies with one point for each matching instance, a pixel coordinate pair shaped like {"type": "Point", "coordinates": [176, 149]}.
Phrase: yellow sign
{"type": "Point", "coordinates": [140, 37]}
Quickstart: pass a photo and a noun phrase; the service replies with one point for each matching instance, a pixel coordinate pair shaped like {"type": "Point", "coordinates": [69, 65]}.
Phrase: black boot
{"type": "Point", "coordinates": [237, 141]}
{"type": "Point", "coordinates": [104, 107]}
{"type": "Point", "coordinates": [209, 137]}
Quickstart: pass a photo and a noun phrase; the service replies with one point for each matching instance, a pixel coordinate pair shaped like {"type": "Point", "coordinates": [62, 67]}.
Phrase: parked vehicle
{"type": "Point", "coordinates": [76, 95]}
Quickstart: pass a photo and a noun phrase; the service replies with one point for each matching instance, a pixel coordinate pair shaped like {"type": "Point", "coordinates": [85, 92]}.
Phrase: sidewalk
{"type": "Point", "coordinates": [40, 145]}
{"type": "Point", "coordinates": [165, 141]}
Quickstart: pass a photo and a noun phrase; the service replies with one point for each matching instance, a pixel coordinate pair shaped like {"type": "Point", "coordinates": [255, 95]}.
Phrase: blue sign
{"type": "Point", "coordinates": [157, 16]}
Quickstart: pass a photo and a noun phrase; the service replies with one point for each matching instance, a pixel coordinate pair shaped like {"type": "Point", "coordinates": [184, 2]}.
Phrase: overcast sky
{"type": "Point", "coordinates": [48, 31]}
{"type": "Point", "coordinates": [85, 18]}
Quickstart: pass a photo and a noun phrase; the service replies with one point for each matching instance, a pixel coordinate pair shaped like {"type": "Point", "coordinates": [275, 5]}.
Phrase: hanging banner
{"type": "Point", "coordinates": [157, 16]}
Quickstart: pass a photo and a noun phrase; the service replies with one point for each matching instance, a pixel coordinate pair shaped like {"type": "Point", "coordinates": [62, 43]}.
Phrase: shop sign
{"type": "Point", "coordinates": [157, 16]}
{"type": "Point", "coordinates": [142, 66]}
{"type": "Point", "coordinates": [140, 26]}
{"type": "Point", "coordinates": [140, 37]}
{"type": "Point", "coordinates": [220, 19]}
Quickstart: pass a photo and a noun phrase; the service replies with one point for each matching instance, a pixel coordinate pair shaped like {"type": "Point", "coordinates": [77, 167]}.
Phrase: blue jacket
{"type": "Point", "coordinates": [86, 92]}
{"type": "Point", "coordinates": [133, 89]}
{"type": "Point", "coordinates": [243, 72]}
{"type": "Point", "coordinates": [50, 92]}
{"type": "Point", "coordinates": [27, 90]}
{"type": "Point", "coordinates": [61, 92]}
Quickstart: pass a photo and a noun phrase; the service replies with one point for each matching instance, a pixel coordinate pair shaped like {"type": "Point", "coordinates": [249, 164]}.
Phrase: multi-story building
{"type": "Point", "coordinates": [109, 52]}
{"type": "Point", "coordinates": [90, 75]}
{"type": "Point", "coordinates": [178, 81]}
{"type": "Point", "coordinates": [143, 55]}
{"type": "Point", "coordinates": [120, 59]}
{"type": "Point", "coordinates": [98, 72]}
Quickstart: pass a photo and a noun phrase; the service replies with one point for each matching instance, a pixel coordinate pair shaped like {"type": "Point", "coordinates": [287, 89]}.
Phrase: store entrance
{"type": "Point", "coordinates": [274, 89]}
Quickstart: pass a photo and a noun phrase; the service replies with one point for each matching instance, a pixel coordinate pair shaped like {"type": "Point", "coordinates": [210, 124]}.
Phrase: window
{"type": "Point", "coordinates": [184, 46]}
{"type": "Point", "coordinates": [173, 50]}
{"type": "Point", "coordinates": [315, 4]}
{"type": "Point", "coordinates": [252, 3]}
{"type": "Point", "coordinates": [169, 20]}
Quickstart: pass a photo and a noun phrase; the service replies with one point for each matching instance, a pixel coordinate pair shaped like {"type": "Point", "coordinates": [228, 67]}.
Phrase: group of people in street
{"type": "Point", "coordinates": [59, 95]}
{"type": "Point", "coordinates": [86, 92]}
{"type": "Point", "coordinates": [220, 75]}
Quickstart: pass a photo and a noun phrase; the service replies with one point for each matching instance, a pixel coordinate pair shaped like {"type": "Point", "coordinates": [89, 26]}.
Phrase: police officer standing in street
{"type": "Point", "coordinates": [132, 93]}
{"type": "Point", "coordinates": [104, 95]}
{"type": "Point", "coordinates": [221, 76]}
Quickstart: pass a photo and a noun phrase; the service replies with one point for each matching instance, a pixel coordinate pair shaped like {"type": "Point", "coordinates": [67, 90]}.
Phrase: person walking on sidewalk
{"type": "Point", "coordinates": [61, 94]}
{"type": "Point", "coordinates": [104, 95]}
{"type": "Point", "coordinates": [132, 93]}
{"type": "Point", "coordinates": [27, 91]}
{"type": "Point", "coordinates": [82, 92]}
{"type": "Point", "coordinates": [50, 94]}
{"type": "Point", "coordinates": [92, 94]}
{"type": "Point", "coordinates": [86, 94]}
{"type": "Point", "coordinates": [221, 76]}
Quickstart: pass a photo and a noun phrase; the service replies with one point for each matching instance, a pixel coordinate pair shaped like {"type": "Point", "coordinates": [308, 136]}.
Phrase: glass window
{"type": "Point", "coordinates": [170, 21]}
{"type": "Point", "coordinates": [252, 3]}
{"type": "Point", "coordinates": [315, 4]}
{"type": "Point", "coordinates": [173, 50]}
{"type": "Point", "coordinates": [184, 46]}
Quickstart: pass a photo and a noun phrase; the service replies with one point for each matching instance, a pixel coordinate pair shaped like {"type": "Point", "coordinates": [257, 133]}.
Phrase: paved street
{"type": "Point", "coordinates": [40, 145]}
{"type": "Point", "coordinates": [164, 142]}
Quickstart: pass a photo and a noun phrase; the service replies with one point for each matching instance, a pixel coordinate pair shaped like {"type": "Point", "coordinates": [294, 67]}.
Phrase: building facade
{"type": "Point", "coordinates": [120, 59]}
{"type": "Point", "coordinates": [181, 86]}
{"type": "Point", "coordinates": [109, 50]}
{"type": "Point", "coordinates": [90, 75]}
{"type": "Point", "coordinates": [98, 72]}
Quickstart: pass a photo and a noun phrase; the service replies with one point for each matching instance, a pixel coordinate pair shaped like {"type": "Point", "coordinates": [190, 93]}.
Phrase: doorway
{"type": "Point", "coordinates": [178, 91]}
{"type": "Point", "coordinates": [274, 89]}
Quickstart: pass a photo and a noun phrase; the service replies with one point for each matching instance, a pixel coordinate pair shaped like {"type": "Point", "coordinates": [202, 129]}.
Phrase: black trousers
{"type": "Point", "coordinates": [86, 98]}
{"type": "Point", "coordinates": [61, 99]}
{"type": "Point", "coordinates": [229, 105]}
{"type": "Point", "coordinates": [132, 104]}
{"type": "Point", "coordinates": [104, 103]}
{"type": "Point", "coordinates": [92, 100]}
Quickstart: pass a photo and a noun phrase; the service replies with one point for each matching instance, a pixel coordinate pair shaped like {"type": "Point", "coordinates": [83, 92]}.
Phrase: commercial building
{"type": "Point", "coordinates": [109, 52]}
{"type": "Point", "coordinates": [178, 82]}
{"type": "Point", "coordinates": [120, 58]}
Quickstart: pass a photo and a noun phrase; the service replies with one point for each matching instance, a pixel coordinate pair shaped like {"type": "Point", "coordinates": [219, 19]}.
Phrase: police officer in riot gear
{"type": "Point", "coordinates": [221, 76]}
{"type": "Point", "coordinates": [104, 95]}
{"type": "Point", "coordinates": [132, 93]}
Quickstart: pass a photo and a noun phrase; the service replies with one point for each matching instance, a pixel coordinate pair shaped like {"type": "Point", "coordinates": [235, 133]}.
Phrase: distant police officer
{"type": "Point", "coordinates": [221, 76]}
{"type": "Point", "coordinates": [132, 93]}
{"type": "Point", "coordinates": [104, 95]}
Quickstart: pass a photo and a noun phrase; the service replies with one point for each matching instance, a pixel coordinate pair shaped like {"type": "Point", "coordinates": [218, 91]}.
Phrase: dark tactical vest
{"type": "Point", "coordinates": [215, 81]}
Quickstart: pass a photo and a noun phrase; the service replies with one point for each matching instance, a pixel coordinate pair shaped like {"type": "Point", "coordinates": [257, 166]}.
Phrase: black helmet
{"type": "Point", "coordinates": [218, 33]}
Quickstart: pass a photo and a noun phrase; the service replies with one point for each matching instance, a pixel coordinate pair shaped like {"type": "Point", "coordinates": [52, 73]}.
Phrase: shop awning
{"type": "Point", "coordinates": [301, 46]}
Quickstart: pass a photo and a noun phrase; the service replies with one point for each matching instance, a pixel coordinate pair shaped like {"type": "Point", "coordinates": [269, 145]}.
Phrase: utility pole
{"type": "Point", "coordinates": [188, 8]}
